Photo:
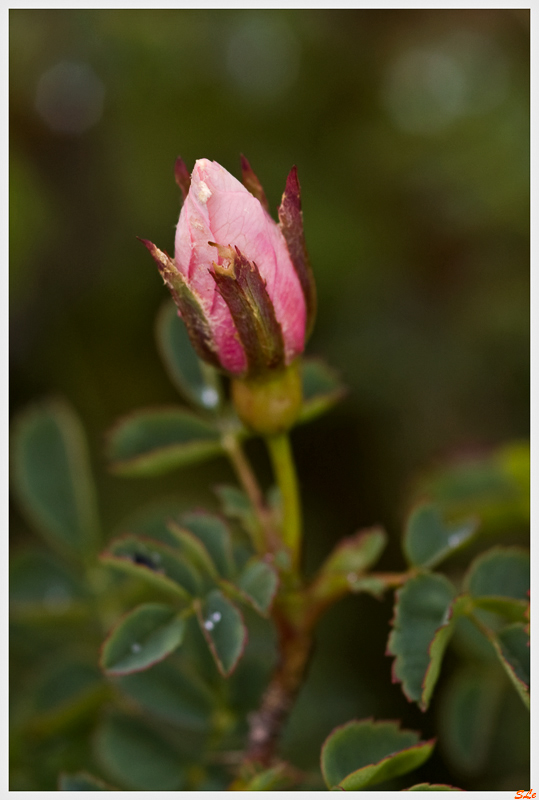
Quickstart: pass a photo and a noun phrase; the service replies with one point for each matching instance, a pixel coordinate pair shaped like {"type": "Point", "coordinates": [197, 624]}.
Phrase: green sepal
{"type": "Point", "coordinates": [155, 563]}
{"type": "Point", "coordinates": [158, 440]}
{"type": "Point", "coordinates": [189, 305]}
{"type": "Point", "coordinates": [362, 753]}
{"type": "Point", "coordinates": [422, 607]}
{"type": "Point", "coordinates": [428, 540]}
{"type": "Point", "coordinates": [52, 477]}
{"type": "Point", "coordinates": [244, 291]}
{"type": "Point", "coordinates": [223, 627]}
{"type": "Point", "coordinates": [142, 637]}
{"type": "Point", "coordinates": [195, 380]}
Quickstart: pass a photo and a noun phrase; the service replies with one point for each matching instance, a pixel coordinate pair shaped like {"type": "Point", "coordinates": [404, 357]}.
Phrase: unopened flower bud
{"type": "Point", "coordinates": [242, 283]}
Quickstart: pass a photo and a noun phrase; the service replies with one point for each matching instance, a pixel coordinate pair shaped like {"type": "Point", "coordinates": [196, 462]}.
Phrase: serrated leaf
{"type": "Point", "coordinates": [82, 782]}
{"type": "Point", "coordinates": [469, 709]}
{"type": "Point", "coordinates": [155, 441]}
{"type": "Point", "coordinates": [172, 694]}
{"type": "Point", "coordinates": [513, 650]}
{"type": "Point", "coordinates": [363, 753]}
{"type": "Point", "coordinates": [215, 536]}
{"type": "Point", "coordinates": [224, 630]}
{"type": "Point", "coordinates": [322, 389]}
{"type": "Point", "coordinates": [142, 638]}
{"type": "Point", "coordinates": [422, 607]}
{"type": "Point", "coordinates": [192, 549]}
{"type": "Point", "coordinates": [500, 572]}
{"type": "Point", "coordinates": [357, 553]}
{"type": "Point", "coordinates": [432, 787]}
{"type": "Point", "coordinates": [437, 650]}
{"type": "Point", "coordinates": [154, 563]}
{"type": "Point", "coordinates": [53, 479]}
{"type": "Point", "coordinates": [428, 540]}
{"type": "Point", "coordinates": [512, 610]}
{"type": "Point", "coordinates": [196, 381]}
{"type": "Point", "coordinates": [258, 582]}
{"type": "Point", "coordinates": [136, 757]}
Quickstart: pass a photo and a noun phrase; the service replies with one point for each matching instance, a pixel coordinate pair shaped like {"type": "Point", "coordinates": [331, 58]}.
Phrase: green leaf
{"type": "Point", "coordinates": [236, 505]}
{"type": "Point", "coordinates": [512, 610]}
{"type": "Point", "coordinates": [82, 782]}
{"type": "Point", "coordinates": [154, 563]}
{"type": "Point", "coordinates": [172, 694]}
{"type": "Point", "coordinates": [432, 787]}
{"type": "Point", "coordinates": [274, 778]}
{"type": "Point", "coordinates": [196, 381]}
{"type": "Point", "coordinates": [66, 693]}
{"type": "Point", "coordinates": [137, 757]}
{"type": "Point", "coordinates": [41, 586]}
{"type": "Point", "coordinates": [437, 650]}
{"type": "Point", "coordinates": [362, 753]}
{"type": "Point", "coordinates": [356, 553]}
{"type": "Point", "coordinates": [469, 710]}
{"type": "Point", "coordinates": [192, 549]}
{"type": "Point", "coordinates": [428, 540]}
{"type": "Point", "coordinates": [512, 646]}
{"type": "Point", "coordinates": [142, 638]}
{"type": "Point", "coordinates": [151, 521]}
{"type": "Point", "coordinates": [500, 572]}
{"type": "Point", "coordinates": [259, 582]}
{"type": "Point", "coordinates": [214, 534]}
{"type": "Point", "coordinates": [224, 630]}
{"type": "Point", "coordinates": [52, 477]}
{"type": "Point", "coordinates": [322, 389]}
{"type": "Point", "coordinates": [154, 441]}
{"type": "Point", "coordinates": [422, 607]}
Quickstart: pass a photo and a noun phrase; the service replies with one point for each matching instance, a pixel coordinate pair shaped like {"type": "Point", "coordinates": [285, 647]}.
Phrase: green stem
{"type": "Point", "coordinates": [264, 538]}
{"type": "Point", "coordinates": [285, 473]}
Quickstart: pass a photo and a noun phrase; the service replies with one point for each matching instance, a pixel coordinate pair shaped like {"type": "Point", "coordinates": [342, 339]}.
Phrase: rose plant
{"type": "Point", "coordinates": [170, 604]}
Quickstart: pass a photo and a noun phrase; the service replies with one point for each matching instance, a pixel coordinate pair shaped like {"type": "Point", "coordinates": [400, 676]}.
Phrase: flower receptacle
{"type": "Point", "coordinates": [269, 404]}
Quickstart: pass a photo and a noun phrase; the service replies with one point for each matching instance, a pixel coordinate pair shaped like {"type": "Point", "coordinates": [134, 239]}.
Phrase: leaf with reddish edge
{"type": "Point", "coordinates": [192, 548]}
{"type": "Point", "coordinates": [362, 753]}
{"type": "Point", "coordinates": [502, 572]}
{"type": "Point", "coordinates": [214, 534]}
{"type": "Point", "coordinates": [291, 219]}
{"type": "Point", "coordinates": [433, 787]}
{"type": "Point", "coordinates": [422, 607]}
{"type": "Point", "coordinates": [223, 627]}
{"type": "Point", "coordinates": [153, 441]}
{"type": "Point", "coordinates": [251, 182]}
{"type": "Point", "coordinates": [258, 584]}
{"type": "Point", "coordinates": [513, 649]}
{"type": "Point", "coordinates": [142, 638]}
{"type": "Point", "coordinates": [437, 649]}
{"type": "Point", "coordinates": [155, 563]}
{"type": "Point", "coordinates": [428, 540]}
{"type": "Point", "coordinates": [182, 176]}
{"type": "Point", "coordinates": [356, 553]}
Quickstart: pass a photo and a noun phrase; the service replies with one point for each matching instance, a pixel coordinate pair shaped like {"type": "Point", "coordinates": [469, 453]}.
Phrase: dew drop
{"type": "Point", "coordinates": [455, 539]}
{"type": "Point", "coordinates": [209, 397]}
{"type": "Point", "coordinates": [216, 616]}
{"type": "Point", "coordinates": [208, 624]}
{"type": "Point", "coordinates": [136, 647]}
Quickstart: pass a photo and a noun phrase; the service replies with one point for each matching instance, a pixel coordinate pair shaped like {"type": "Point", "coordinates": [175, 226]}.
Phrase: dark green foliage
{"type": "Point", "coordinates": [360, 754]}
{"type": "Point", "coordinates": [427, 540]}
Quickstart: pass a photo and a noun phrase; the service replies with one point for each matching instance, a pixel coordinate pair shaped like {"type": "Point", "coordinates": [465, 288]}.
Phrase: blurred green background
{"type": "Point", "coordinates": [410, 131]}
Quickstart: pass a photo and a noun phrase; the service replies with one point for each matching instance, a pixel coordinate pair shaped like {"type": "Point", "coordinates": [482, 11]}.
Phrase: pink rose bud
{"type": "Point", "coordinates": [242, 283]}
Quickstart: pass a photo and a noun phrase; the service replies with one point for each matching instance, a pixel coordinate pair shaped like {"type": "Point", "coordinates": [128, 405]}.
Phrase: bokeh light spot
{"type": "Point", "coordinates": [69, 97]}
